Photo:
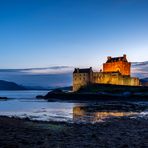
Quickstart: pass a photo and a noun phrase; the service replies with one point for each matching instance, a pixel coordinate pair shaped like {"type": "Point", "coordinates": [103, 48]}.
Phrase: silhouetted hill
{"type": "Point", "coordinates": [37, 88]}
{"type": "Point", "coordinates": [144, 81]}
{"type": "Point", "coordinates": [5, 85]}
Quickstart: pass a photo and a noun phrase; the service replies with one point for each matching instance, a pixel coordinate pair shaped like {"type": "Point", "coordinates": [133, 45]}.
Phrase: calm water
{"type": "Point", "coordinates": [22, 94]}
{"type": "Point", "coordinates": [24, 104]}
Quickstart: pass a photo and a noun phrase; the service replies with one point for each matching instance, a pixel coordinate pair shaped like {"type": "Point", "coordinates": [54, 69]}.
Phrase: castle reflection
{"type": "Point", "coordinates": [94, 114]}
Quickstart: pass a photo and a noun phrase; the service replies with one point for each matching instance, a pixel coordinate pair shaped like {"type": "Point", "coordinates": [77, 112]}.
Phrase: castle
{"type": "Point", "coordinates": [116, 71]}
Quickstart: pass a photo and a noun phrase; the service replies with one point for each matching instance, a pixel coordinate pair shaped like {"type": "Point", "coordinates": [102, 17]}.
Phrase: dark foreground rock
{"type": "Point", "coordinates": [3, 98]}
{"type": "Point", "coordinates": [116, 133]}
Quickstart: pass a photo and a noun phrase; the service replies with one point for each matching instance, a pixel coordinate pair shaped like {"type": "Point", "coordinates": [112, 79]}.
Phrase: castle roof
{"type": "Point", "coordinates": [85, 70]}
{"type": "Point", "coordinates": [116, 59]}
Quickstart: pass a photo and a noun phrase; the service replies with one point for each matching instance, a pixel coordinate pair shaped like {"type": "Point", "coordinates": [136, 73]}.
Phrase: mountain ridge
{"type": "Point", "coordinates": [6, 85]}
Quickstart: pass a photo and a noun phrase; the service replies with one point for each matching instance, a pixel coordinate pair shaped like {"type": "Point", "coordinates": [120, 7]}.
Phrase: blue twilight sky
{"type": "Point", "coordinates": [73, 33]}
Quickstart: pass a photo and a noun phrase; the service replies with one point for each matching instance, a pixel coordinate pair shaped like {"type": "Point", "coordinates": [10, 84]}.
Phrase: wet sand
{"type": "Point", "coordinates": [115, 133]}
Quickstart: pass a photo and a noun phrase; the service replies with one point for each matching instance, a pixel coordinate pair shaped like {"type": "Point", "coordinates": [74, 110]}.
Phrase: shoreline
{"type": "Point", "coordinates": [100, 92]}
{"type": "Point", "coordinates": [51, 96]}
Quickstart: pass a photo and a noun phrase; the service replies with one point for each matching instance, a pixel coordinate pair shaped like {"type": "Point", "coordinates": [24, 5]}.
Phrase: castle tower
{"type": "Point", "coordinates": [117, 64]}
{"type": "Point", "coordinates": [82, 77]}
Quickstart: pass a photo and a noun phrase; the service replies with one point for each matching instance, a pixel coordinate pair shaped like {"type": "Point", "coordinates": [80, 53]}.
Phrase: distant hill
{"type": "Point", "coordinates": [37, 88]}
{"type": "Point", "coordinates": [144, 81]}
{"type": "Point", "coordinates": [5, 85]}
{"type": "Point", "coordinates": [67, 88]}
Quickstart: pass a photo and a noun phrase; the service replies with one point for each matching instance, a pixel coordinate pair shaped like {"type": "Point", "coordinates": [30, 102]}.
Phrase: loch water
{"type": "Point", "coordinates": [23, 104]}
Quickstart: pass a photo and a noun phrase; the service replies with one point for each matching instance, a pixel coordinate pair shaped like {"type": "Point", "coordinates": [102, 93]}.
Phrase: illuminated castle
{"type": "Point", "coordinates": [116, 71]}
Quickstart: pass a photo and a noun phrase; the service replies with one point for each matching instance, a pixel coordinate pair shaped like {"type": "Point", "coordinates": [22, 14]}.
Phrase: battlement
{"type": "Point", "coordinates": [116, 59]}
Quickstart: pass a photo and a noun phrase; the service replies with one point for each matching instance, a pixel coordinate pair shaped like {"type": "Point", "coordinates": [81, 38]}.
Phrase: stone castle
{"type": "Point", "coordinates": [116, 71]}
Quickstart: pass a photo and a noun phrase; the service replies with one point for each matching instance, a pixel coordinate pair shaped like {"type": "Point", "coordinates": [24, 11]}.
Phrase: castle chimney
{"type": "Point", "coordinates": [109, 57]}
{"type": "Point", "coordinates": [124, 56]}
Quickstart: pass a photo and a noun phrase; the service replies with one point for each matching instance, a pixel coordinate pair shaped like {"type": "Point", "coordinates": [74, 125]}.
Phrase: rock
{"type": "Point", "coordinates": [3, 98]}
{"type": "Point", "coordinates": [127, 94]}
{"type": "Point", "coordinates": [39, 97]}
{"type": "Point", "coordinates": [56, 91]}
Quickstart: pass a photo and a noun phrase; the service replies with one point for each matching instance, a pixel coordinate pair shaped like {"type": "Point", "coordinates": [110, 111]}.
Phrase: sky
{"type": "Point", "coordinates": [71, 33]}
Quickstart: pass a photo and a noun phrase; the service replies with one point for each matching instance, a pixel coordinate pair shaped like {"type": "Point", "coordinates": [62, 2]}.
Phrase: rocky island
{"type": "Point", "coordinates": [113, 83]}
{"type": "Point", "coordinates": [100, 92]}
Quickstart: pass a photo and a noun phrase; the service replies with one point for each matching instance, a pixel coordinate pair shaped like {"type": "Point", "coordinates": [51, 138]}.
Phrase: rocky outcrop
{"type": "Point", "coordinates": [3, 98]}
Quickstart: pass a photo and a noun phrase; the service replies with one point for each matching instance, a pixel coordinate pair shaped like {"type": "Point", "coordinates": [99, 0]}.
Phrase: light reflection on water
{"type": "Point", "coordinates": [60, 111]}
{"type": "Point", "coordinates": [80, 115]}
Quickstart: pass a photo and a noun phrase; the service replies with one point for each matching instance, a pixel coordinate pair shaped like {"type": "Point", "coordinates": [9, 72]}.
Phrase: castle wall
{"type": "Point", "coordinates": [84, 79]}
{"type": "Point", "coordinates": [134, 81]}
{"type": "Point", "coordinates": [80, 80]}
{"type": "Point", "coordinates": [106, 78]}
{"type": "Point", "coordinates": [114, 78]}
{"type": "Point", "coordinates": [119, 66]}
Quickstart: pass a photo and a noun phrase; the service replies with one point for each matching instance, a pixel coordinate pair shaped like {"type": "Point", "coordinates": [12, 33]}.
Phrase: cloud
{"type": "Point", "coordinates": [37, 71]}
{"type": "Point", "coordinates": [135, 64]}
{"type": "Point", "coordinates": [49, 70]}
{"type": "Point", "coordinates": [140, 69]}
{"type": "Point", "coordinates": [55, 76]}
